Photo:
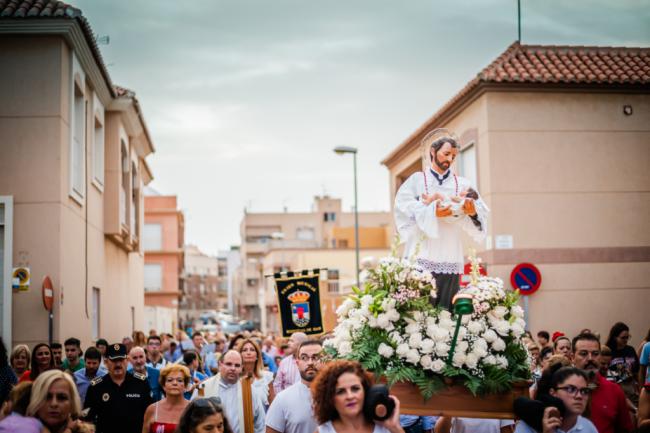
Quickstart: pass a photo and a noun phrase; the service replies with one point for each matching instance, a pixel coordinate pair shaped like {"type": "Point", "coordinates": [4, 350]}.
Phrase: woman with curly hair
{"type": "Point", "coordinates": [204, 415]}
{"type": "Point", "coordinates": [338, 394]}
{"type": "Point", "coordinates": [42, 360]}
{"type": "Point", "coordinates": [253, 366]}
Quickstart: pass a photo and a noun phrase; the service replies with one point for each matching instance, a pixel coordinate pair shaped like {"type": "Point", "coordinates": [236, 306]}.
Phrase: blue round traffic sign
{"type": "Point", "coordinates": [526, 278]}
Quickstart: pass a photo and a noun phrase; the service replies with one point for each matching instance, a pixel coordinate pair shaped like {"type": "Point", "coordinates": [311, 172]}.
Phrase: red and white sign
{"type": "Point", "coordinates": [47, 291]}
{"type": "Point", "coordinates": [526, 278]}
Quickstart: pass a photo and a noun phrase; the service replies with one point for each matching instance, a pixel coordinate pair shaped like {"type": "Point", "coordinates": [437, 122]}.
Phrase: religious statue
{"type": "Point", "coordinates": [432, 208]}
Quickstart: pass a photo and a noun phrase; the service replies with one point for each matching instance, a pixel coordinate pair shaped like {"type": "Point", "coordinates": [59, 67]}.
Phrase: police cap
{"type": "Point", "coordinates": [116, 351]}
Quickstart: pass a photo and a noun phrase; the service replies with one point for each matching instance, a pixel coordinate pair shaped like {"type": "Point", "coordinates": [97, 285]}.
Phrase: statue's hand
{"type": "Point", "coordinates": [427, 199]}
{"type": "Point", "coordinates": [469, 207]}
{"type": "Point", "coordinates": [443, 211]}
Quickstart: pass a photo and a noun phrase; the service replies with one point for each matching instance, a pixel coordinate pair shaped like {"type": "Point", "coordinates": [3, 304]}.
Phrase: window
{"type": "Point", "coordinates": [78, 150]}
{"type": "Point", "coordinates": [467, 164]}
{"type": "Point", "coordinates": [329, 216]}
{"type": "Point", "coordinates": [124, 164]}
{"type": "Point", "coordinates": [152, 237]}
{"type": "Point", "coordinates": [333, 280]}
{"type": "Point", "coordinates": [96, 310]}
{"type": "Point", "coordinates": [98, 152]}
{"type": "Point", "coordinates": [135, 201]}
{"type": "Point", "coordinates": [305, 234]}
{"type": "Point", "coordinates": [152, 277]}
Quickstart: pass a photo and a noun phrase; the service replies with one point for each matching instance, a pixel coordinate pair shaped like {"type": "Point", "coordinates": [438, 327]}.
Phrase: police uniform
{"type": "Point", "coordinates": [118, 408]}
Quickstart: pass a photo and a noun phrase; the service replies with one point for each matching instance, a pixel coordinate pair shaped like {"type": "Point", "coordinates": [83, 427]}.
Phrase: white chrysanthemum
{"type": "Point", "coordinates": [426, 362]}
{"type": "Point", "coordinates": [383, 321]}
{"type": "Point", "coordinates": [490, 336]}
{"type": "Point", "coordinates": [517, 330]}
{"type": "Point", "coordinates": [345, 307]}
{"type": "Point", "coordinates": [412, 328]}
{"type": "Point", "coordinates": [459, 359]}
{"type": "Point", "coordinates": [502, 327]}
{"type": "Point", "coordinates": [517, 311]}
{"type": "Point", "coordinates": [446, 324]}
{"type": "Point", "coordinates": [462, 346]}
{"type": "Point", "coordinates": [444, 315]}
{"type": "Point", "coordinates": [490, 360]}
{"type": "Point", "coordinates": [499, 345]}
{"type": "Point", "coordinates": [442, 349]}
{"type": "Point", "coordinates": [396, 337]}
{"type": "Point", "coordinates": [402, 349]}
{"type": "Point", "coordinates": [440, 335]}
{"type": "Point", "coordinates": [413, 356]}
{"type": "Point", "coordinates": [427, 345]}
{"type": "Point", "coordinates": [415, 340]}
{"type": "Point", "coordinates": [385, 350]}
{"type": "Point", "coordinates": [344, 348]}
{"type": "Point", "coordinates": [366, 300]}
{"type": "Point", "coordinates": [475, 327]}
{"type": "Point", "coordinates": [472, 360]}
{"type": "Point", "coordinates": [499, 311]}
{"type": "Point", "coordinates": [502, 361]}
{"type": "Point", "coordinates": [438, 365]}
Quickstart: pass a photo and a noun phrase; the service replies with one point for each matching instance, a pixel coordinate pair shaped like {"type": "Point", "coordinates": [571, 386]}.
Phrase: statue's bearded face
{"type": "Point", "coordinates": [444, 157]}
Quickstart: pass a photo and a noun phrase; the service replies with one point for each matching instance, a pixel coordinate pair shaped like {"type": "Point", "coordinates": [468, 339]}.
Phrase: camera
{"type": "Point", "coordinates": [377, 404]}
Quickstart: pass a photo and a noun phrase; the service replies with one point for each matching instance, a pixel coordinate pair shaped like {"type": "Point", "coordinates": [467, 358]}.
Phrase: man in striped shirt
{"type": "Point", "coordinates": [288, 372]}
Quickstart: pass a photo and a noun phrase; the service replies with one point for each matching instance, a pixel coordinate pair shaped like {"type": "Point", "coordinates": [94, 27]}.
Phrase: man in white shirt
{"type": "Point", "coordinates": [234, 393]}
{"type": "Point", "coordinates": [432, 209]}
{"type": "Point", "coordinates": [291, 411]}
{"type": "Point", "coordinates": [288, 372]}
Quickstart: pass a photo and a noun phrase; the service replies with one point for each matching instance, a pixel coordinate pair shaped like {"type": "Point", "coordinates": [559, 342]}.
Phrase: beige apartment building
{"type": "Point", "coordinates": [163, 238]}
{"type": "Point", "coordinates": [205, 283]}
{"type": "Point", "coordinates": [72, 170]}
{"type": "Point", "coordinates": [322, 238]}
{"type": "Point", "coordinates": [557, 139]}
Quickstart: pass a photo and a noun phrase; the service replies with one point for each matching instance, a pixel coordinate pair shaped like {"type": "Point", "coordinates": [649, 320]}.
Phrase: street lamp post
{"type": "Point", "coordinates": [341, 150]}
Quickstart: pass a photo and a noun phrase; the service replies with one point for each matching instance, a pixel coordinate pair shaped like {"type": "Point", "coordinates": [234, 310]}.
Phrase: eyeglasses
{"type": "Point", "coordinates": [574, 390]}
{"type": "Point", "coordinates": [313, 358]}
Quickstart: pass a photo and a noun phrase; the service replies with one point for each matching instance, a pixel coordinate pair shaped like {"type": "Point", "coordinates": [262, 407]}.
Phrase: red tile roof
{"type": "Point", "coordinates": [544, 66]}
{"type": "Point", "coordinates": [48, 9]}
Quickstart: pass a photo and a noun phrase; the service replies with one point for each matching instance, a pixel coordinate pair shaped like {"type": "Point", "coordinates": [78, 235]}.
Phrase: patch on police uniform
{"type": "Point", "coordinates": [96, 380]}
{"type": "Point", "coordinates": [106, 396]}
{"type": "Point", "coordinates": [139, 375]}
{"type": "Point", "coordinates": [116, 346]}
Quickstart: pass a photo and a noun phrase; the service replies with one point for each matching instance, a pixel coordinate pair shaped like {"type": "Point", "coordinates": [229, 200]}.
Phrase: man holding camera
{"type": "Point", "coordinates": [291, 410]}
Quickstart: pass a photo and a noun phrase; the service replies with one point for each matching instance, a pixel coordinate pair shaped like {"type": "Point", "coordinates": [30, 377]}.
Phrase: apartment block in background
{"type": "Point", "coordinates": [163, 239]}
{"type": "Point", "coordinates": [322, 238]}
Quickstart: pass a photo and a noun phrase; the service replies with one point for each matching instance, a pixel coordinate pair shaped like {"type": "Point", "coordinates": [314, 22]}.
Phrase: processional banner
{"type": "Point", "coordinates": [299, 302]}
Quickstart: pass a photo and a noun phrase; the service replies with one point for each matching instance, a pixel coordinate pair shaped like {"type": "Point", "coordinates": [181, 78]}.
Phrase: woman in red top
{"type": "Point", "coordinates": [42, 360]}
{"type": "Point", "coordinates": [163, 416]}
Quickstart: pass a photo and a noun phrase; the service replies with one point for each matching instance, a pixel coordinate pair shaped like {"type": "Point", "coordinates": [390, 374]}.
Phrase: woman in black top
{"type": "Point", "coordinates": [624, 366]}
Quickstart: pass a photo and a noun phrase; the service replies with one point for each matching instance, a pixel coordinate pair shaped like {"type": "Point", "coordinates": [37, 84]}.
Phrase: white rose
{"type": "Point", "coordinates": [480, 343]}
{"type": "Point", "coordinates": [413, 356]}
{"type": "Point", "coordinates": [490, 336]}
{"type": "Point", "coordinates": [345, 307]}
{"type": "Point", "coordinates": [502, 361]}
{"type": "Point", "coordinates": [447, 324]}
{"type": "Point", "coordinates": [427, 345]}
{"type": "Point", "coordinates": [462, 333]}
{"type": "Point", "coordinates": [396, 337]}
{"type": "Point", "coordinates": [442, 349]}
{"type": "Point", "coordinates": [372, 322]}
{"type": "Point", "coordinates": [417, 315]}
{"type": "Point", "coordinates": [431, 322]}
{"type": "Point", "coordinates": [393, 315]}
{"type": "Point", "coordinates": [402, 349]}
{"type": "Point", "coordinates": [438, 365]}
{"type": "Point", "coordinates": [461, 346]}
{"type": "Point", "coordinates": [499, 345]}
{"type": "Point", "coordinates": [415, 340]}
{"type": "Point", "coordinates": [444, 314]}
{"type": "Point", "coordinates": [385, 350]}
{"type": "Point", "coordinates": [426, 362]}
{"type": "Point", "coordinates": [499, 311]}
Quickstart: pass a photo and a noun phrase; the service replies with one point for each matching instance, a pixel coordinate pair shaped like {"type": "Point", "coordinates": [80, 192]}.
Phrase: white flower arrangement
{"type": "Point", "coordinates": [391, 327]}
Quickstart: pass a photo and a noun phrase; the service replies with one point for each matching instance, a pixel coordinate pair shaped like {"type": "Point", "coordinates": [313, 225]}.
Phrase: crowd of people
{"type": "Point", "coordinates": [251, 383]}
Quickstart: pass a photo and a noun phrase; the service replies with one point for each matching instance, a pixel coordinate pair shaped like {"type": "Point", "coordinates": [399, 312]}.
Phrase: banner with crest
{"type": "Point", "coordinates": [299, 302]}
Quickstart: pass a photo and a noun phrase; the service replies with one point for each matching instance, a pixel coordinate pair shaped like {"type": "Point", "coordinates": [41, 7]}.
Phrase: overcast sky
{"type": "Point", "coordinates": [245, 99]}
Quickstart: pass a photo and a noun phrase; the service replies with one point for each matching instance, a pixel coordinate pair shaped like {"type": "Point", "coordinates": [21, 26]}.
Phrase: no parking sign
{"type": "Point", "coordinates": [526, 278]}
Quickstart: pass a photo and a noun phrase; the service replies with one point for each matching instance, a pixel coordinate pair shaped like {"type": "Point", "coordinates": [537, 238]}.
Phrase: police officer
{"type": "Point", "coordinates": [118, 400]}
